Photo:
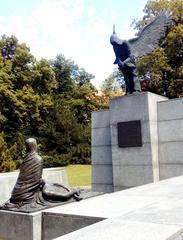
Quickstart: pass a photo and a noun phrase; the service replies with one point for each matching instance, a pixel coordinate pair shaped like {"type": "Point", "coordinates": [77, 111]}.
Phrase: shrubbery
{"type": "Point", "coordinates": [56, 160]}
{"type": "Point", "coordinates": [7, 156]}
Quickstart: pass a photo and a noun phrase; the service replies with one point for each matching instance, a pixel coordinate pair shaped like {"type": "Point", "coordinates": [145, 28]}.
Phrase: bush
{"type": "Point", "coordinates": [80, 154]}
{"type": "Point", "coordinates": [7, 156]}
{"type": "Point", "coordinates": [56, 160]}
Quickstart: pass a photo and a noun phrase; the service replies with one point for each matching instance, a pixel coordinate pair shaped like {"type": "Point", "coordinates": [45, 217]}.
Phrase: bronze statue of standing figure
{"type": "Point", "coordinates": [30, 189]}
{"type": "Point", "coordinates": [146, 41]}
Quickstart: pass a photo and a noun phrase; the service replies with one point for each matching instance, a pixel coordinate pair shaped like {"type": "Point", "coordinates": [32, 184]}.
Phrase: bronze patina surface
{"type": "Point", "coordinates": [31, 192]}
{"type": "Point", "coordinates": [126, 51]}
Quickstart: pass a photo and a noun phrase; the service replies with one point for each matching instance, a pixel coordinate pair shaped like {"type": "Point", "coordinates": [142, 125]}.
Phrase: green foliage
{"type": "Point", "coordinates": [176, 88]}
{"type": "Point", "coordinates": [165, 64]}
{"type": "Point", "coordinates": [155, 64]}
{"type": "Point", "coordinates": [44, 80]}
{"type": "Point", "coordinates": [7, 156]}
{"type": "Point", "coordinates": [112, 86]}
{"type": "Point", "coordinates": [65, 70]}
{"type": "Point", "coordinates": [174, 47]}
{"type": "Point", "coordinates": [56, 160]}
{"type": "Point", "coordinates": [49, 100]}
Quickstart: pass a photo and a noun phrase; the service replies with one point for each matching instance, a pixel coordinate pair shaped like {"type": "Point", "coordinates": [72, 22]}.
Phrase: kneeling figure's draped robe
{"type": "Point", "coordinates": [29, 180]}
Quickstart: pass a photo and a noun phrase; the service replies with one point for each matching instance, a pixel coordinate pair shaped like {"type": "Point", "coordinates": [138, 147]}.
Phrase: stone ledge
{"type": "Point", "coordinates": [149, 212]}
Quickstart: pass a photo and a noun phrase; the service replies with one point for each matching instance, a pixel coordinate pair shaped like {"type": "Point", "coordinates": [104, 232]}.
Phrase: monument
{"type": "Point", "coordinates": [143, 44]}
{"type": "Point", "coordinates": [136, 141]}
{"type": "Point", "coordinates": [125, 138]}
{"type": "Point", "coordinates": [24, 213]}
{"type": "Point", "coordinates": [31, 192]}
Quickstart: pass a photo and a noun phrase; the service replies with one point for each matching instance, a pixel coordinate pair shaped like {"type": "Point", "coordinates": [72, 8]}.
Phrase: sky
{"type": "Point", "coordinates": [78, 29]}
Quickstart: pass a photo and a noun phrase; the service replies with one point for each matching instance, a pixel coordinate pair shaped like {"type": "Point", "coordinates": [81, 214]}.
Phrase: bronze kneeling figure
{"type": "Point", "coordinates": [31, 190]}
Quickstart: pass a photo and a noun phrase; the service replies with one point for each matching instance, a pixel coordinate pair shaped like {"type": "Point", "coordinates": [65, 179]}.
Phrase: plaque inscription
{"type": "Point", "coordinates": [129, 134]}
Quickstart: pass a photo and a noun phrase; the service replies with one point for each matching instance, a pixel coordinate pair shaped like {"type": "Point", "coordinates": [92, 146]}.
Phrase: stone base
{"type": "Point", "coordinates": [29, 226]}
{"type": "Point", "coordinates": [16, 226]}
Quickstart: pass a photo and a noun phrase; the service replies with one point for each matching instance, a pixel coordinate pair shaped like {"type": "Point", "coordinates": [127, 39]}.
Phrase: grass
{"type": "Point", "coordinates": [79, 175]}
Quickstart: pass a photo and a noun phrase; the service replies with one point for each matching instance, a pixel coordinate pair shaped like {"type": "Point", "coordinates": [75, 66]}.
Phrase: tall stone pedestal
{"type": "Point", "coordinates": [125, 142]}
{"type": "Point", "coordinates": [136, 161]}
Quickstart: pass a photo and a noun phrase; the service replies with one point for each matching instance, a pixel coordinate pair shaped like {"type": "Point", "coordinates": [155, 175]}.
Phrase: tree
{"type": "Point", "coordinates": [8, 46]}
{"type": "Point", "coordinates": [23, 105]}
{"type": "Point", "coordinates": [43, 79]}
{"type": "Point", "coordinates": [65, 72]}
{"type": "Point", "coordinates": [113, 85]}
{"type": "Point", "coordinates": [157, 67]}
{"type": "Point", "coordinates": [68, 125]}
{"type": "Point", "coordinates": [7, 156]}
{"type": "Point", "coordinates": [164, 65]}
{"type": "Point", "coordinates": [49, 100]}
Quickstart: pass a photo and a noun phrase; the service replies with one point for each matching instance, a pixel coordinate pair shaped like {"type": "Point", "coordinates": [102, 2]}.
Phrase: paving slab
{"type": "Point", "coordinates": [169, 212]}
{"type": "Point", "coordinates": [105, 206]}
{"type": "Point", "coordinates": [114, 229]}
{"type": "Point", "coordinates": [150, 212]}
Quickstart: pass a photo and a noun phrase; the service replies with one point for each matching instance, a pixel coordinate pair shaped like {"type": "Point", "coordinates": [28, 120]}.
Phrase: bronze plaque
{"type": "Point", "coordinates": [129, 134]}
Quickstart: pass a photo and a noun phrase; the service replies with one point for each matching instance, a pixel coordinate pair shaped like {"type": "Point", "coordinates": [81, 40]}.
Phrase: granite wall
{"type": "Point", "coordinates": [159, 157]}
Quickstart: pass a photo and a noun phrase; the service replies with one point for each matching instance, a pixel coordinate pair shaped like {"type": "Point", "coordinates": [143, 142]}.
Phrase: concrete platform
{"type": "Point", "coordinates": [16, 226]}
{"type": "Point", "coordinates": [124, 230]}
{"type": "Point", "coordinates": [24, 226]}
{"type": "Point", "coordinates": [150, 212]}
